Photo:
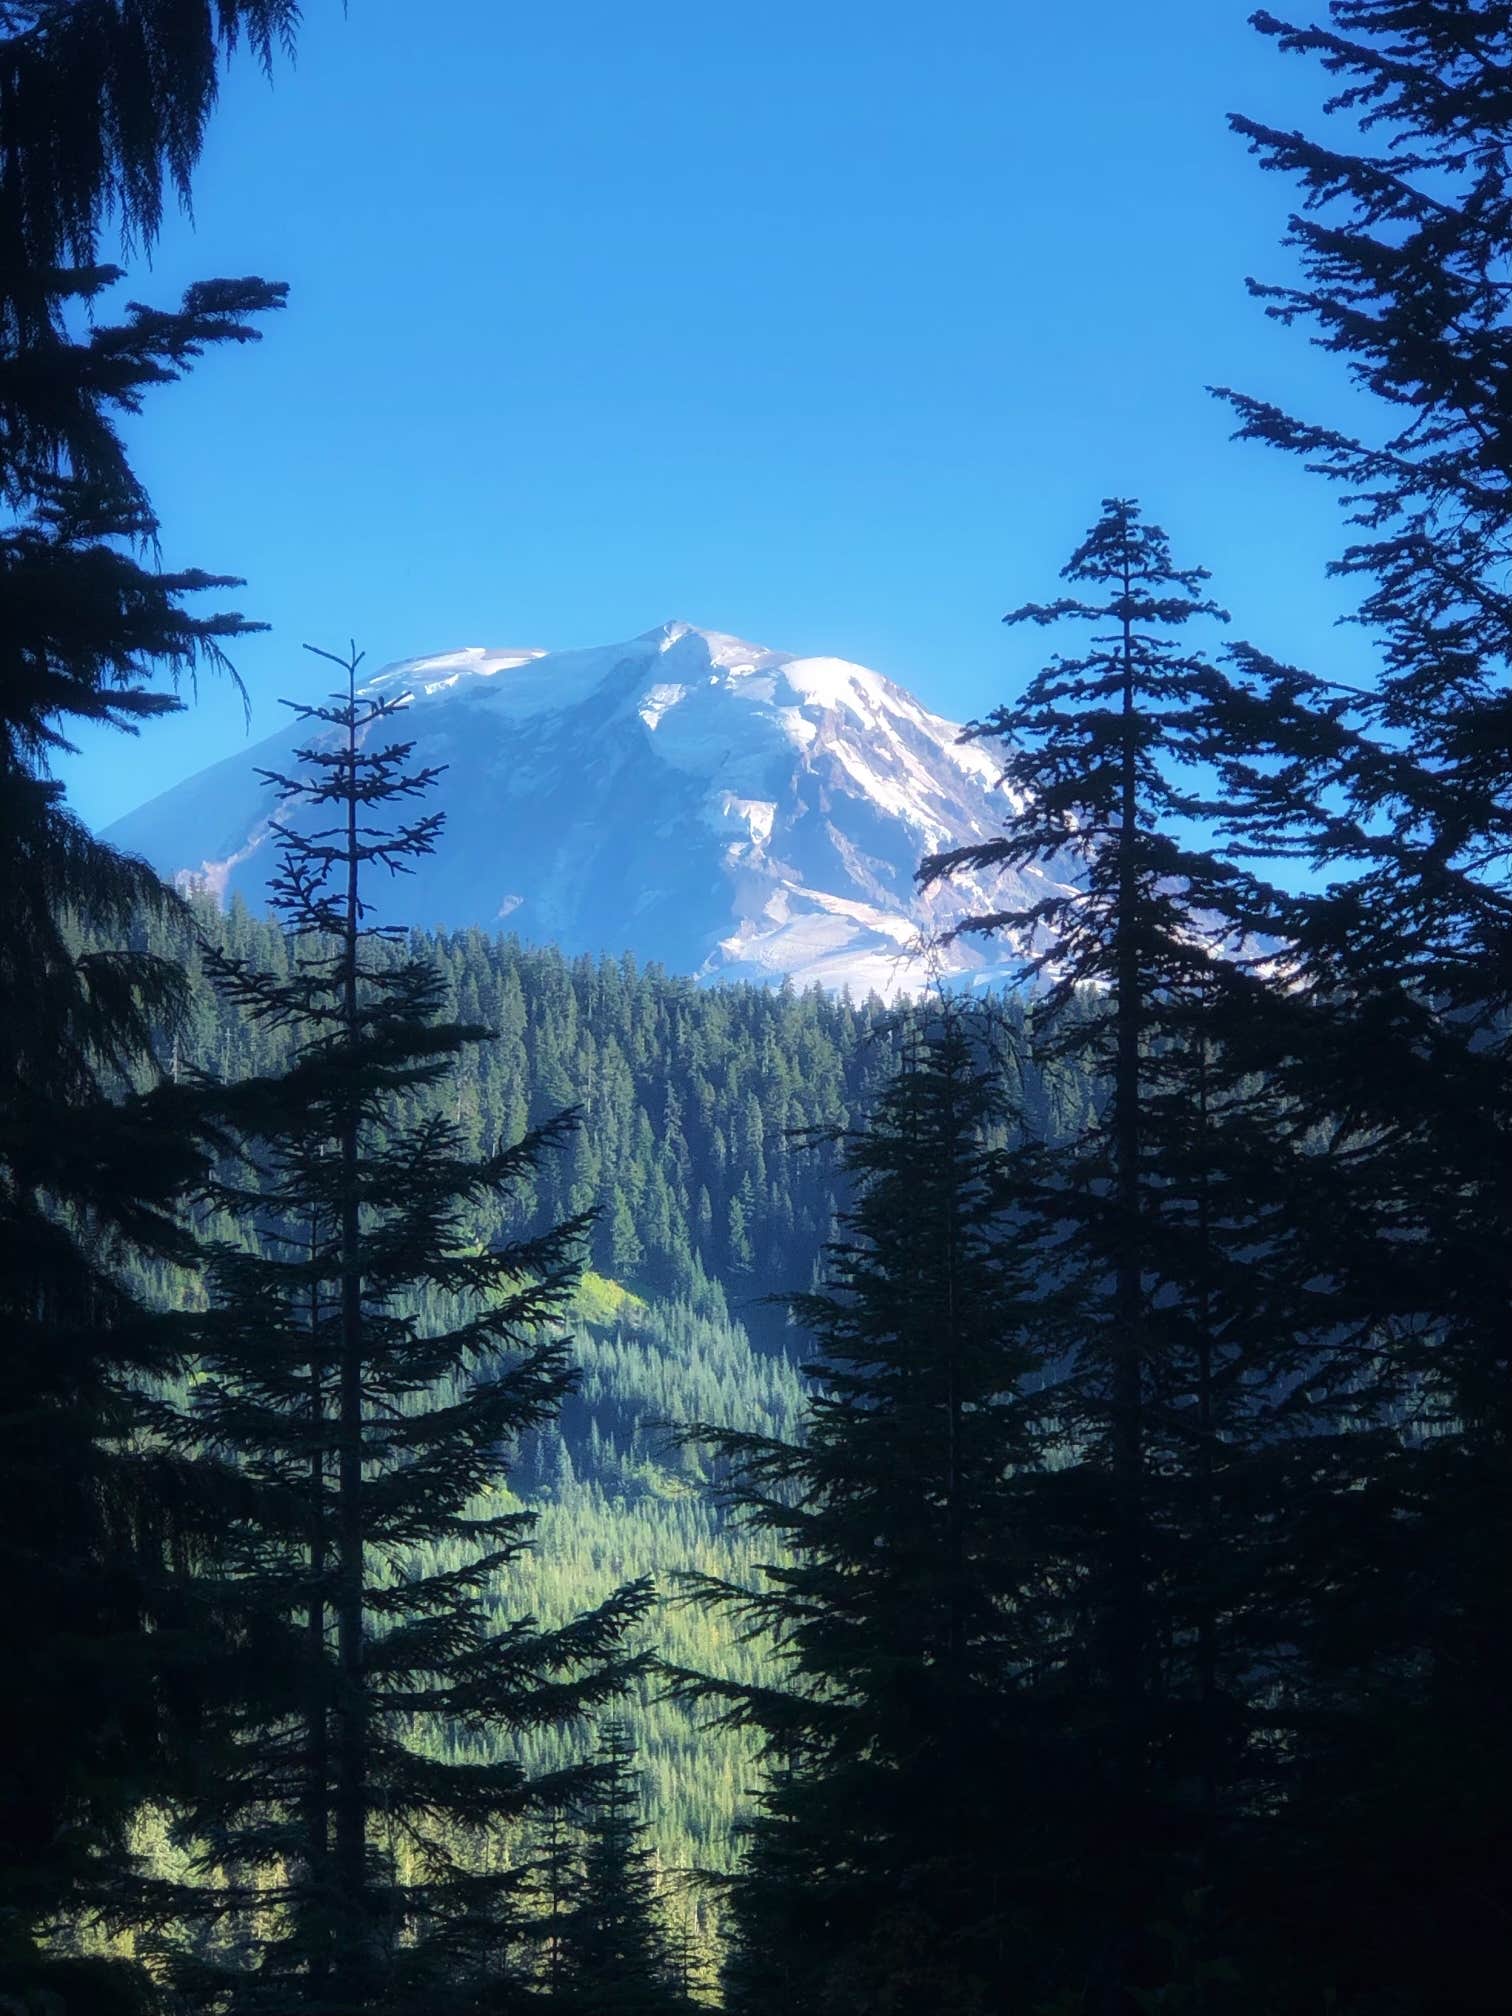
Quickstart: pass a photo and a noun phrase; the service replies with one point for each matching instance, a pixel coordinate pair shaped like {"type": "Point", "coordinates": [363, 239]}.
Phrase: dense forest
{"type": "Point", "coordinates": [529, 1486]}
{"type": "Point", "coordinates": [709, 1154]}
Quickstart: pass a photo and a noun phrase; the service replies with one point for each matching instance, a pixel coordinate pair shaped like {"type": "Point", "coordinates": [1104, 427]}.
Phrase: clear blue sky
{"type": "Point", "coordinates": [825, 323]}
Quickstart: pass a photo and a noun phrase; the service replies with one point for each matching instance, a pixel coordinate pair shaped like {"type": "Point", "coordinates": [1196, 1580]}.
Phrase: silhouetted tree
{"type": "Point", "coordinates": [1400, 796]}
{"type": "Point", "coordinates": [1169, 1213]}
{"type": "Point", "coordinates": [101, 100]}
{"type": "Point", "coordinates": [370, 1365]}
{"type": "Point", "coordinates": [900, 1827]}
{"type": "Point", "coordinates": [557, 1879]}
{"type": "Point", "coordinates": [615, 1947]}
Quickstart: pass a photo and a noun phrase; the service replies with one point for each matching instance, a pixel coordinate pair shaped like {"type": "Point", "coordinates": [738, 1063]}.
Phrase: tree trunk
{"type": "Point", "coordinates": [354, 1929]}
{"type": "Point", "coordinates": [1126, 1619]}
{"type": "Point", "coordinates": [317, 1814]}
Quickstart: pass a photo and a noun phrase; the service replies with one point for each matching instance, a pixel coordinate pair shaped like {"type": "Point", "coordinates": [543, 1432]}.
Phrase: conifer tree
{"type": "Point", "coordinates": [615, 1954]}
{"type": "Point", "coordinates": [102, 99]}
{"type": "Point", "coordinates": [1168, 1204]}
{"type": "Point", "coordinates": [557, 1882]}
{"type": "Point", "coordinates": [1399, 794]}
{"type": "Point", "coordinates": [370, 1364]}
{"type": "Point", "coordinates": [604, 1497]}
{"type": "Point", "coordinates": [901, 1826]}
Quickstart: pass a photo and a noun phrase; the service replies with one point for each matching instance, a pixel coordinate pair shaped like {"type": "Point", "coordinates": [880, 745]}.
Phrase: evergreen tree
{"type": "Point", "coordinates": [902, 1826]}
{"type": "Point", "coordinates": [615, 1946]}
{"type": "Point", "coordinates": [370, 1364]}
{"type": "Point", "coordinates": [610, 1502]}
{"type": "Point", "coordinates": [1167, 1216]}
{"type": "Point", "coordinates": [557, 1884]}
{"type": "Point", "coordinates": [1400, 794]}
{"type": "Point", "coordinates": [102, 99]}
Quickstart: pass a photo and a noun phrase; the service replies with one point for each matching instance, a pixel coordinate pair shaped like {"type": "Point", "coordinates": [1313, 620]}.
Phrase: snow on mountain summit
{"type": "Point", "coordinates": [729, 810]}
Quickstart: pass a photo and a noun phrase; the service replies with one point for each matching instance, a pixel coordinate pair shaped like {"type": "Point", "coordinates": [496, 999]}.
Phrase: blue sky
{"type": "Point", "coordinates": [827, 324]}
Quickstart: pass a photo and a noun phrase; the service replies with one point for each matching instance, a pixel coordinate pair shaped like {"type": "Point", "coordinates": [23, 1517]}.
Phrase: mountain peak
{"type": "Point", "coordinates": [724, 651]}
{"type": "Point", "coordinates": [726, 809]}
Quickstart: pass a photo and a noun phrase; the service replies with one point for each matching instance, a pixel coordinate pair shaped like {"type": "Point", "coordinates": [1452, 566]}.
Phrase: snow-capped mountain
{"type": "Point", "coordinates": [733, 812]}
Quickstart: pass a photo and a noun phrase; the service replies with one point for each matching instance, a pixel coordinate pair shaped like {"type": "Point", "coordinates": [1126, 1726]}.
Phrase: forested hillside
{"type": "Point", "coordinates": [707, 1148]}
{"type": "Point", "coordinates": [530, 1489]}
{"type": "Point", "coordinates": [695, 1103]}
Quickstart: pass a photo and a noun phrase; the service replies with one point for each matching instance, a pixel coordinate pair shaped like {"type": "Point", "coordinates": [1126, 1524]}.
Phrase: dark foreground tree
{"type": "Point", "coordinates": [370, 1365]}
{"type": "Point", "coordinates": [905, 1849]}
{"type": "Point", "coordinates": [1402, 797]}
{"type": "Point", "coordinates": [614, 1958]}
{"type": "Point", "coordinates": [99, 101]}
{"type": "Point", "coordinates": [1179, 1234]}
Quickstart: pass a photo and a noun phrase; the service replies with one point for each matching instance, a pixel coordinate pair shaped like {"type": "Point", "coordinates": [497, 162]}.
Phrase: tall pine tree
{"type": "Point", "coordinates": [905, 1815]}
{"type": "Point", "coordinates": [370, 1365]}
{"type": "Point", "coordinates": [1166, 1218]}
{"type": "Point", "coordinates": [1400, 795]}
{"type": "Point", "coordinates": [101, 101]}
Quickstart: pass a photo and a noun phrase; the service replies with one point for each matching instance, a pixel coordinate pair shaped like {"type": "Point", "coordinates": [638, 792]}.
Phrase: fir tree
{"type": "Point", "coordinates": [370, 1365]}
{"type": "Point", "coordinates": [1166, 1218]}
{"type": "Point", "coordinates": [676, 1353]}
{"type": "Point", "coordinates": [1399, 796]}
{"type": "Point", "coordinates": [901, 1826]}
{"type": "Point", "coordinates": [557, 1884]}
{"type": "Point", "coordinates": [614, 1948]}
{"type": "Point", "coordinates": [101, 101]}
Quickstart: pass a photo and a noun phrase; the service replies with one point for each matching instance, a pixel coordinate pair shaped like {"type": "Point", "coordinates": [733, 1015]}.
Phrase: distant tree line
{"type": "Point", "coordinates": [1119, 1606]}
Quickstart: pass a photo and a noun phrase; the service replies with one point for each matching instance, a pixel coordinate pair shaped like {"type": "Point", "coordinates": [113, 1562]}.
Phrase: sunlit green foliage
{"type": "Point", "coordinates": [691, 1101]}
